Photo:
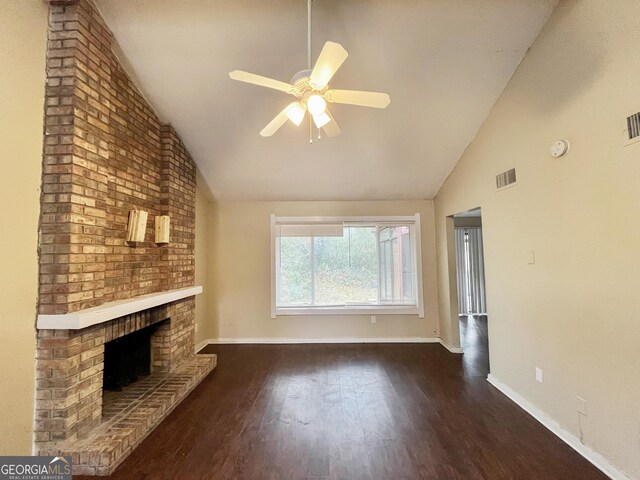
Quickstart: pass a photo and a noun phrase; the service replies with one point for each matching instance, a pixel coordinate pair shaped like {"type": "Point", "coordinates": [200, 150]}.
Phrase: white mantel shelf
{"type": "Point", "coordinates": [111, 310]}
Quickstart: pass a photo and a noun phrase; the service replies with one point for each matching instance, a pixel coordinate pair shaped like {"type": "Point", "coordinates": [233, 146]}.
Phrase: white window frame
{"type": "Point", "coordinates": [416, 245]}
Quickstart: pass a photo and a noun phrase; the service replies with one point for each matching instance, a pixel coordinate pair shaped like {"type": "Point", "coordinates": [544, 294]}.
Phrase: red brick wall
{"type": "Point", "coordinates": [106, 153]}
{"type": "Point", "coordinates": [178, 199]}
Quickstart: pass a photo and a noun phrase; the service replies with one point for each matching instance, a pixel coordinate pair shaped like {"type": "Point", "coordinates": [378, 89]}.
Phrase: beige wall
{"type": "Point", "coordinates": [240, 274]}
{"type": "Point", "coordinates": [575, 312]}
{"type": "Point", "coordinates": [23, 40]}
{"type": "Point", "coordinates": [203, 253]}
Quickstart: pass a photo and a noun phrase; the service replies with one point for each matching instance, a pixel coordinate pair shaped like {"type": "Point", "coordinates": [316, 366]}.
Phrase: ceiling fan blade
{"type": "Point", "coordinates": [254, 79]}
{"type": "Point", "coordinates": [279, 120]}
{"type": "Point", "coordinates": [331, 129]}
{"type": "Point", "coordinates": [355, 97]}
{"type": "Point", "coordinates": [331, 57]}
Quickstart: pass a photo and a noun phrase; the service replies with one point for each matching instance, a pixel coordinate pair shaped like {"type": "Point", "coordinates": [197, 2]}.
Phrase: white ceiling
{"type": "Point", "coordinates": [444, 63]}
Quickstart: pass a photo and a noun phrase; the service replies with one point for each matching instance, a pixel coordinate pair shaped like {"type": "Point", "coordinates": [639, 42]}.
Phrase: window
{"type": "Point", "coordinates": [346, 265]}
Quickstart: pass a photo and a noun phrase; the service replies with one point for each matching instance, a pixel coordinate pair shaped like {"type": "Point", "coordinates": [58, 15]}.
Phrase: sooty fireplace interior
{"type": "Point", "coordinates": [127, 358]}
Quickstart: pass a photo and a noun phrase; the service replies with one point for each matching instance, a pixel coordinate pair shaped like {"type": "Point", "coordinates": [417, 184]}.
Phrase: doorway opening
{"type": "Point", "coordinates": [470, 282]}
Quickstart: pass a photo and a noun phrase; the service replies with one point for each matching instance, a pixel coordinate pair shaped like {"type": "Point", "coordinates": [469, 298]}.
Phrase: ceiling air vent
{"type": "Point", "coordinates": [506, 178]}
{"type": "Point", "coordinates": [632, 131]}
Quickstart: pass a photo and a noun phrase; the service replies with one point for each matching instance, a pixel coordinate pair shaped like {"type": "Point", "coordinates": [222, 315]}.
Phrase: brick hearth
{"type": "Point", "coordinates": [106, 153]}
{"type": "Point", "coordinates": [135, 412]}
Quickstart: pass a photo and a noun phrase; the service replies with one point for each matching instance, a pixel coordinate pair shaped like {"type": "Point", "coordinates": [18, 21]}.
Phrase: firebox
{"type": "Point", "coordinates": [127, 358]}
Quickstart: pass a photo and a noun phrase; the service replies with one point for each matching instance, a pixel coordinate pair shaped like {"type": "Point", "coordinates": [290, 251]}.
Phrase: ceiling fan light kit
{"type": "Point", "coordinates": [311, 88]}
{"type": "Point", "coordinates": [316, 104]}
{"type": "Point", "coordinates": [296, 112]}
{"type": "Point", "coordinates": [321, 120]}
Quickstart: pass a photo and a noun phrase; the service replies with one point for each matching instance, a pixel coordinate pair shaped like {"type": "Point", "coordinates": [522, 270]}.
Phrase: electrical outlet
{"type": "Point", "coordinates": [538, 375]}
{"type": "Point", "coordinates": [373, 319]}
{"type": "Point", "coordinates": [581, 405]}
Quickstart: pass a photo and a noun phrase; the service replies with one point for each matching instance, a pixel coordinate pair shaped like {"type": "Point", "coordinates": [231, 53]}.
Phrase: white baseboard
{"type": "Point", "coordinates": [595, 458]}
{"type": "Point", "coordinates": [451, 349]}
{"type": "Point", "coordinates": [268, 340]}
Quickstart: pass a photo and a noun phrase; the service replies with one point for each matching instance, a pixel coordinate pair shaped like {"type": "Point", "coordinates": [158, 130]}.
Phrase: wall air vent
{"type": "Point", "coordinates": [506, 178]}
{"type": "Point", "coordinates": [632, 130]}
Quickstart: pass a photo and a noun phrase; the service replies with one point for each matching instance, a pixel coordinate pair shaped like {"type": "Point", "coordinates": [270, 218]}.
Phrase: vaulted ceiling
{"type": "Point", "coordinates": [444, 63]}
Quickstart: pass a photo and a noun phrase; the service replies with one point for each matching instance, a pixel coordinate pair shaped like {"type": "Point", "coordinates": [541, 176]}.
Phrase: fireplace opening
{"type": "Point", "coordinates": [127, 358]}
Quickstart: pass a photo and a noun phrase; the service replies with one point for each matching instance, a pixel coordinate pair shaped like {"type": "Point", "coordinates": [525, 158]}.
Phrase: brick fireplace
{"type": "Point", "coordinates": [107, 153]}
{"type": "Point", "coordinates": [99, 428]}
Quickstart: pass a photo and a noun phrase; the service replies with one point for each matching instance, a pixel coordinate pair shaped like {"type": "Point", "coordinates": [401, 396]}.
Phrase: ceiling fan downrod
{"type": "Point", "coordinates": [309, 62]}
{"type": "Point", "coordinates": [309, 34]}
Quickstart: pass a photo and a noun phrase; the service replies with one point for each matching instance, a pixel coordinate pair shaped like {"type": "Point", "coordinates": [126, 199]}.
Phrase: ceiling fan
{"type": "Point", "coordinates": [311, 88]}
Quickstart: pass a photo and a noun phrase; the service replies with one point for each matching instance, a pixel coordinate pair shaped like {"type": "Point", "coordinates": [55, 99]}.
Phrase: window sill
{"type": "Point", "coordinates": [350, 310]}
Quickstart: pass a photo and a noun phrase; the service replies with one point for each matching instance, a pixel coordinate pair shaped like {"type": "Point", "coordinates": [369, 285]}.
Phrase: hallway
{"type": "Point", "coordinates": [474, 340]}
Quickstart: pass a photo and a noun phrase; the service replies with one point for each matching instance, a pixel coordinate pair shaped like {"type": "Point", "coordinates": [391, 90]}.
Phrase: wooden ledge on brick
{"type": "Point", "coordinates": [109, 311]}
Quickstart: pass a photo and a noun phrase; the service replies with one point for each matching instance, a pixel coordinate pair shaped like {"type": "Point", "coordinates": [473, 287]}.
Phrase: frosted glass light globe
{"type": "Point", "coordinates": [321, 120]}
{"type": "Point", "coordinates": [316, 105]}
{"type": "Point", "coordinates": [295, 113]}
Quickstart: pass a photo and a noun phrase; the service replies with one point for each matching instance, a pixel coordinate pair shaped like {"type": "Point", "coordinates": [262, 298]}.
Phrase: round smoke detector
{"type": "Point", "coordinates": [560, 148]}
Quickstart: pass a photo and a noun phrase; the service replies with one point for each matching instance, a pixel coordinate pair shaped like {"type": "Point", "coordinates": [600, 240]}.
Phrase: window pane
{"type": "Point", "coordinates": [295, 271]}
{"type": "Point", "coordinates": [388, 271]}
{"type": "Point", "coordinates": [346, 268]}
{"type": "Point", "coordinates": [396, 265]}
{"type": "Point", "coordinates": [335, 265]}
{"type": "Point", "coordinates": [364, 264]}
{"type": "Point", "coordinates": [407, 265]}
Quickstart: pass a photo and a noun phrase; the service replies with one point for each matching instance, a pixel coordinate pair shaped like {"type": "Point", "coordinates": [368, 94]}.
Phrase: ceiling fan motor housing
{"type": "Point", "coordinates": [303, 87]}
{"type": "Point", "coordinates": [302, 75]}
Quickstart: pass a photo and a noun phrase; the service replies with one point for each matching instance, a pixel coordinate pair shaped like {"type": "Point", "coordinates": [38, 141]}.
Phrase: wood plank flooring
{"type": "Point", "coordinates": [474, 338]}
{"type": "Point", "coordinates": [401, 411]}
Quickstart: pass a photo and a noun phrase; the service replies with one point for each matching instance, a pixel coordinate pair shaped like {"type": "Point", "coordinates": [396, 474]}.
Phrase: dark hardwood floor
{"type": "Point", "coordinates": [474, 339]}
{"type": "Point", "coordinates": [392, 411]}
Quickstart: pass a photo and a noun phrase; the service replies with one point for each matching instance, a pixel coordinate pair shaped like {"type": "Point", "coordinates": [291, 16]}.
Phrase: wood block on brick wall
{"type": "Point", "coordinates": [137, 226]}
{"type": "Point", "coordinates": [162, 224]}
